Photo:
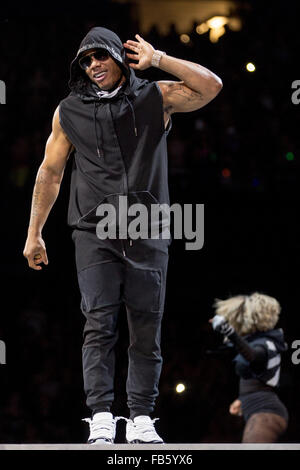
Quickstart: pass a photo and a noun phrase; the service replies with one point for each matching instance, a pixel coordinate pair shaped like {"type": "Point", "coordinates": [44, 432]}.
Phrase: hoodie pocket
{"type": "Point", "coordinates": [90, 219]}
{"type": "Point", "coordinates": [155, 217]}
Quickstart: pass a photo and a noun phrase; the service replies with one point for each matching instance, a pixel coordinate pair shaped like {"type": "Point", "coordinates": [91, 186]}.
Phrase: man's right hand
{"type": "Point", "coordinates": [35, 252]}
{"type": "Point", "coordinates": [46, 189]}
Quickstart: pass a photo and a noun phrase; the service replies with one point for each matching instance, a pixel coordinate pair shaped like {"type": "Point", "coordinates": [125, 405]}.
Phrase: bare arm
{"type": "Point", "coordinates": [45, 192]}
{"type": "Point", "coordinates": [197, 85]}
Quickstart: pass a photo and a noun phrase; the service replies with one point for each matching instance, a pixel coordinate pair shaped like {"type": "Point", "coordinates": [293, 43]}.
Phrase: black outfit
{"type": "Point", "coordinates": [258, 366]}
{"type": "Point", "coordinates": [120, 150]}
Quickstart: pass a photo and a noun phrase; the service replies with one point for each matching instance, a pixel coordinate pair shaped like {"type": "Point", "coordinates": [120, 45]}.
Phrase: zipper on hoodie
{"type": "Point", "coordinates": [125, 178]}
{"type": "Point", "coordinates": [125, 187]}
{"type": "Point", "coordinates": [123, 248]}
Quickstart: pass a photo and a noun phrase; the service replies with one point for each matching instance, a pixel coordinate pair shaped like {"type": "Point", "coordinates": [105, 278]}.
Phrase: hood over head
{"type": "Point", "coordinates": [103, 38]}
{"type": "Point", "coordinates": [81, 85]}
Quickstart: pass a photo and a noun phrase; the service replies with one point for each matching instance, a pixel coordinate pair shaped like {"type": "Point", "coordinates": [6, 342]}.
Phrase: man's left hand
{"type": "Point", "coordinates": [143, 53]}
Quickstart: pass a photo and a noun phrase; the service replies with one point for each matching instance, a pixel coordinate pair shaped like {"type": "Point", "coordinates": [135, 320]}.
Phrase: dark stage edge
{"type": "Point", "coordinates": [138, 447]}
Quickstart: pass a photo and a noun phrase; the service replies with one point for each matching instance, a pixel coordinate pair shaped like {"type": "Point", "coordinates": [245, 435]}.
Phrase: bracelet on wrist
{"type": "Point", "coordinates": [157, 55]}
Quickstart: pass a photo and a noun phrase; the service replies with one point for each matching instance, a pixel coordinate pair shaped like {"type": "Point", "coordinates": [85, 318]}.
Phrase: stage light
{"type": "Point", "coordinates": [226, 173]}
{"type": "Point", "coordinates": [235, 24]}
{"type": "Point", "coordinates": [250, 67]}
{"type": "Point", "coordinates": [202, 28]}
{"type": "Point", "coordinates": [290, 156]}
{"type": "Point", "coordinates": [216, 26]}
{"type": "Point", "coordinates": [216, 33]}
{"type": "Point", "coordinates": [180, 388]}
{"type": "Point", "coordinates": [217, 22]}
{"type": "Point", "coordinates": [185, 38]}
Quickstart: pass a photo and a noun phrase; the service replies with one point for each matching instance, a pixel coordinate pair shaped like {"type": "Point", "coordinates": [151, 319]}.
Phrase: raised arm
{"type": "Point", "coordinates": [45, 192]}
{"type": "Point", "coordinates": [197, 85]}
{"type": "Point", "coordinates": [256, 355]}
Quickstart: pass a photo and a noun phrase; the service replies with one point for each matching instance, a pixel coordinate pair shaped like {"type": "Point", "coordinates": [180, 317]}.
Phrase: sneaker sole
{"type": "Point", "coordinates": [138, 441]}
{"type": "Point", "coordinates": [100, 441]}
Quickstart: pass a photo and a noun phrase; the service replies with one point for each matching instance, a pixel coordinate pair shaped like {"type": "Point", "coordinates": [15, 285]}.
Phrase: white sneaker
{"type": "Point", "coordinates": [102, 428]}
{"type": "Point", "coordinates": [142, 431]}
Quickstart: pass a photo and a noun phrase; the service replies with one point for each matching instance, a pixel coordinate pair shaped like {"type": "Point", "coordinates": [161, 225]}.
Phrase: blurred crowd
{"type": "Point", "coordinates": [243, 144]}
{"type": "Point", "coordinates": [249, 130]}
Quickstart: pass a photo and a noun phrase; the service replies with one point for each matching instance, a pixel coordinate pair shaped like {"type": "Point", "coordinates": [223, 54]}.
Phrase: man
{"type": "Point", "coordinates": [116, 126]}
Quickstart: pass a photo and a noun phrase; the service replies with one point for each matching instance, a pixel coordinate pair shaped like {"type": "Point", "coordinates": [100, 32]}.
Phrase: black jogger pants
{"type": "Point", "coordinates": [111, 272]}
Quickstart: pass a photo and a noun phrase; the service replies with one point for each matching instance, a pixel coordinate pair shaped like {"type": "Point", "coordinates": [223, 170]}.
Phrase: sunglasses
{"type": "Point", "coordinates": [86, 61]}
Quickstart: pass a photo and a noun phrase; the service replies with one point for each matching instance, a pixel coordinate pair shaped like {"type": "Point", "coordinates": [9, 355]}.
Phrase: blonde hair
{"type": "Point", "coordinates": [247, 314]}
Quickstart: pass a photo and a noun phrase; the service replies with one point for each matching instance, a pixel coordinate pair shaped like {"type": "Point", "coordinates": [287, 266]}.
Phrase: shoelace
{"type": "Point", "coordinates": [146, 428]}
{"type": "Point", "coordinates": [102, 425]}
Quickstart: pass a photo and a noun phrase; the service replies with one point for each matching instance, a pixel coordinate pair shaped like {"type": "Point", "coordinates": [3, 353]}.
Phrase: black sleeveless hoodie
{"type": "Point", "coordinates": [120, 142]}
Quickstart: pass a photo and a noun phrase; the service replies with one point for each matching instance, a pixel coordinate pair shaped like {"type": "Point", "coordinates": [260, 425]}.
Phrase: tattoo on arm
{"type": "Point", "coordinates": [36, 199]}
{"type": "Point", "coordinates": [182, 90]}
{"type": "Point", "coordinates": [178, 90]}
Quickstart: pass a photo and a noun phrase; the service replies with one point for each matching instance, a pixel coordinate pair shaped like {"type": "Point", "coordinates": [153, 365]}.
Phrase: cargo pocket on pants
{"type": "Point", "coordinates": [142, 289]}
{"type": "Point", "coordinates": [100, 286]}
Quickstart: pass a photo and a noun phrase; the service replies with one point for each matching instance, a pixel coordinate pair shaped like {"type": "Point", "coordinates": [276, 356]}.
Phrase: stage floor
{"type": "Point", "coordinates": [138, 447]}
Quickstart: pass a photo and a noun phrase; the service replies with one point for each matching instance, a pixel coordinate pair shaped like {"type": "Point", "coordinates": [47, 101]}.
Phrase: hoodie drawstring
{"type": "Point", "coordinates": [99, 150]}
{"type": "Point", "coordinates": [133, 114]}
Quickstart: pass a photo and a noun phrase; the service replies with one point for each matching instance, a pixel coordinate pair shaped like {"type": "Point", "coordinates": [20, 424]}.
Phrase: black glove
{"type": "Point", "coordinates": [257, 355]}
{"type": "Point", "coordinates": [221, 325]}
